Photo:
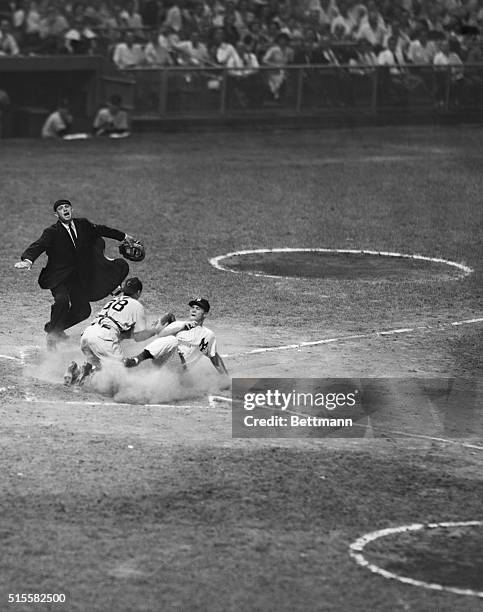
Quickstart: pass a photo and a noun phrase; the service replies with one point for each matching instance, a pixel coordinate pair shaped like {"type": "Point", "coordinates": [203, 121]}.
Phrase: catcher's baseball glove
{"type": "Point", "coordinates": [134, 251]}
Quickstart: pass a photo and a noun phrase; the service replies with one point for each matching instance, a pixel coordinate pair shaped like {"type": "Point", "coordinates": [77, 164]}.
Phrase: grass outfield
{"type": "Point", "coordinates": [133, 507]}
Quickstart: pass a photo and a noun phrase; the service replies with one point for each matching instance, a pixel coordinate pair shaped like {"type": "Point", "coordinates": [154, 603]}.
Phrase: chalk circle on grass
{"type": "Point", "coordinates": [339, 264]}
{"type": "Point", "coordinates": [437, 556]}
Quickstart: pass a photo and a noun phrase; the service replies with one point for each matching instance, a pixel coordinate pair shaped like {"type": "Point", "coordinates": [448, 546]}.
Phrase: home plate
{"type": "Point", "coordinates": [214, 400]}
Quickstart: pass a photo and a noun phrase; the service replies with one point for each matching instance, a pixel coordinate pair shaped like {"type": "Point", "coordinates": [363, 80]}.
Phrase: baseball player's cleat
{"type": "Point", "coordinates": [71, 374]}
{"type": "Point", "coordinates": [130, 362]}
{"type": "Point", "coordinates": [86, 370]}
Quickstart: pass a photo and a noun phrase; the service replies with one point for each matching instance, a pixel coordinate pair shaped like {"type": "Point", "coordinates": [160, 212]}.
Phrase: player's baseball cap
{"type": "Point", "coordinates": [132, 286]}
{"type": "Point", "coordinates": [58, 203]}
{"type": "Point", "coordinates": [201, 302]}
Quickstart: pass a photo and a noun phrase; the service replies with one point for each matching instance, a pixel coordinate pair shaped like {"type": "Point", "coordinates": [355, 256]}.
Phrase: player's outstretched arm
{"type": "Point", "coordinates": [174, 328]}
{"type": "Point", "coordinates": [217, 361]}
{"type": "Point", "coordinates": [36, 249]}
{"type": "Point", "coordinates": [140, 336]}
{"type": "Point", "coordinates": [159, 325]}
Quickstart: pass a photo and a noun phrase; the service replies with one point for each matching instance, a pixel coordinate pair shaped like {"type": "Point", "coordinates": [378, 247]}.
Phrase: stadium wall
{"type": "Point", "coordinates": [199, 98]}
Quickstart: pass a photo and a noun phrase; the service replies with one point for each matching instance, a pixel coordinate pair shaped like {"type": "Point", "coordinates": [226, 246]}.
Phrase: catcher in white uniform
{"type": "Point", "coordinates": [121, 318]}
{"type": "Point", "coordinates": [189, 338]}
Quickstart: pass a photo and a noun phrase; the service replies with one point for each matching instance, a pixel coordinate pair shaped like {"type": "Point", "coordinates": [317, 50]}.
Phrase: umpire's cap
{"type": "Point", "coordinates": [132, 285]}
{"type": "Point", "coordinates": [58, 203]}
{"type": "Point", "coordinates": [201, 302]}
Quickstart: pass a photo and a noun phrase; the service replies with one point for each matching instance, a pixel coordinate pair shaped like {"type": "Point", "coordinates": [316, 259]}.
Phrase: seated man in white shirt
{"type": "Point", "coordinates": [112, 119]}
{"type": "Point", "coordinates": [8, 44]}
{"type": "Point", "coordinates": [421, 50]}
{"type": "Point", "coordinates": [57, 123]}
{"type": "Point", "coordinates": [448, 66]}
{"type": "Point", "coordinates": [157, 55]}
{"type": "Point", "coordinates": [243, 77]}
{"type": "Point", "coordinates": [190, 339]}
{"type": "Point", "coordinates": [397, 82]}
{"type": "Point", "coordinates": [223, 48]}
{"type": "Point", "coordinates": [128, 54]}
{"type": "Point", "coordinates": [192, 52]}
{"type": "Point", "coordinates": [373, 29]}
{"type": "Point", "coordinates": [391, 58]}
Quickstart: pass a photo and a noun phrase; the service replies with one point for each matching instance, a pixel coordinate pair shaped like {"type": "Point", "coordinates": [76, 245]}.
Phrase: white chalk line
{"type": "Point", "coordinates": [35, 400]}
{"type": "Point", "coordinates": [214, 400]}
{"type": "Point", "coordinates": [216, 261]}
{"type": "Point", "coordinates": [23, 354]}
{"type": "Point", "coordinates": [357, 547]}
{"type": "Point", "coordinates": [422, 437]}
{"type": "Point", "coordinates": [394, 432]}
{"type": "Point", "coordinates": [389, 332]}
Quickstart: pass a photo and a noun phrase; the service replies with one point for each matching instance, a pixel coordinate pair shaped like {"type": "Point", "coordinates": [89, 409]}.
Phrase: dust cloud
{"type": "Point", "coordinates": [144, 384]}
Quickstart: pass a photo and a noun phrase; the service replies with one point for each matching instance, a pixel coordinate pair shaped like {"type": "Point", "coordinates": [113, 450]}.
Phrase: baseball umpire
{"type": "Point", "coordinates": [77, 272]}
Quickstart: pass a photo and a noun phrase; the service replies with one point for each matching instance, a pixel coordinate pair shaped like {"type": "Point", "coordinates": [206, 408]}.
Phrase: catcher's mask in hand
{"type": "Point", "coordinates": [133, 252]}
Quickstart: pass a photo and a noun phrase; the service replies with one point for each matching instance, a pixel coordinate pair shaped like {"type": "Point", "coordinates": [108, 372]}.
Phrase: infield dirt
{"type": "Point", "coordinates": [134, 507]}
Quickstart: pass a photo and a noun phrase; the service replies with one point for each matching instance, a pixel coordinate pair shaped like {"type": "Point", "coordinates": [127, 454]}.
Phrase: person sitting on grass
{"type": "Point", "coordinates": [57, 123]}
{"type": "Point", "coordinates": [112, 119]}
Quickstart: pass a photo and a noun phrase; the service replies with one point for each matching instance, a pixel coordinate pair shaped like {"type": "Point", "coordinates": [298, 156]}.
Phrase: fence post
{"type": "Point", "coordinates": [163, 91]}
{"type": "Point", "coordinates": [300, 88]}
{"type": "Point", "coordinates": [375, 90]}
{"type": "Point", "coordinates": [448, 89]}
{"type": "Point", "coordinates": [223, 92]}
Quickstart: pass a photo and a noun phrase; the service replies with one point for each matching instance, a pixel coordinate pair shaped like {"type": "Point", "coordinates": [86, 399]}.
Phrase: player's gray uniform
{"type": "Point", "coordinates": [102, 339]}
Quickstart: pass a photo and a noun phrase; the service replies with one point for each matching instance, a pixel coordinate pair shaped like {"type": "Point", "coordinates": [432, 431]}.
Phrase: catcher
{"type": "Point", "coordinates": [121, 318]}
{"type": "Point", "coordinates": [77, 272]}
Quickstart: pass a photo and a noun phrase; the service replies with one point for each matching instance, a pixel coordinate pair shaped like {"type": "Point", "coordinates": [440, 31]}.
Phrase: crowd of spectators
{"type": "Point", "coordinates": [244, 34]}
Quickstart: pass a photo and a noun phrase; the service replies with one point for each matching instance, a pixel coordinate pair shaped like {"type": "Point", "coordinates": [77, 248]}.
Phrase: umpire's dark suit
{"type": "Point", "coordinates": [71, 272]}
